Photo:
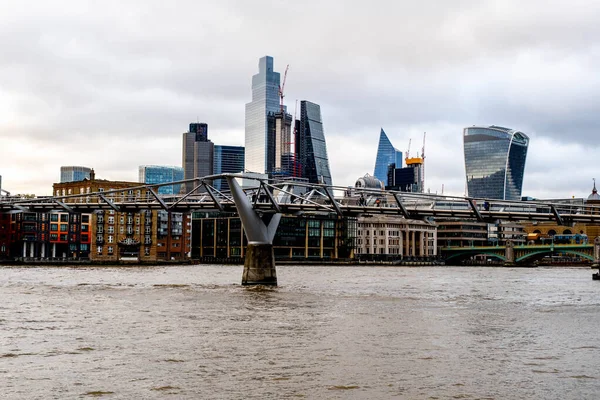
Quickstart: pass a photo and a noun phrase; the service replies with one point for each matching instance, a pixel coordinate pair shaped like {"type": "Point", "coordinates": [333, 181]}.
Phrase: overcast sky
{"type": "Point", "coordinates": [113, 84]}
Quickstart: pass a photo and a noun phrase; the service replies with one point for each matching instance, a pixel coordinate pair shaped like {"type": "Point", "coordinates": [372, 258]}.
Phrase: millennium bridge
{"type": "Point", "coordinates": [260, 202]}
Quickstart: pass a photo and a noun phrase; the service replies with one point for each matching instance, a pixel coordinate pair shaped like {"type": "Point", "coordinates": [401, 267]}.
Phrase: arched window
{"type": "Point", "coordinates": [537, 231]}
{"type": "Point", "coordinates": [551, 232]}
{"type": "Point", "coordinates": [567, 232]}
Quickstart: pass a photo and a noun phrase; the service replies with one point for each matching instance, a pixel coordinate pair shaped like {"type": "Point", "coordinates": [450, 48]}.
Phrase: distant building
{"type": "Point", "coordinates": [385, 237]}
{"type": "Point", "coordinates": [259, 144]}
{"type": "Point", "coordinates": [227, 159]}
{"type": "Point", "coordinates": [157, 174]}
{"type": "Point", "coordinates": [386, 154]}
{"type": "Point", "coordinates": [495, 162]}
{"type": "Point", "coordinates": [407, 179]}
{"type": "Point", "coordinates": [198, 153]}
{"type": "Point", "coordinates": [311, 149]}
{"type": "Point", "coordinates": [74, 173]}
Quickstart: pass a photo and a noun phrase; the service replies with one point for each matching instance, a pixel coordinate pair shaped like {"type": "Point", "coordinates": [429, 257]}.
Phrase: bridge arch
{"type": "Point", "coordinates": [542, 253]}
{"type": "Point", "coordinates": [467, 254]}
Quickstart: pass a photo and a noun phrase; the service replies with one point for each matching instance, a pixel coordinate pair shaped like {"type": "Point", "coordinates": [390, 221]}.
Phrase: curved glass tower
{"type": "Point", "coordinates": [495, 162]}
{"type": "Point", "coordinates": [386, 154]}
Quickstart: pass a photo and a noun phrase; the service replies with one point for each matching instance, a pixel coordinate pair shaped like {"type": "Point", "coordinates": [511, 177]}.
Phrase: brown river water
{"type": "Point", "coordinates": [193, 332]}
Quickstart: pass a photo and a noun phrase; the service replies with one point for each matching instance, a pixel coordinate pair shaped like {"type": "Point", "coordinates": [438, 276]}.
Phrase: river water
{"type": "Point", "coordinates": [193, 332]}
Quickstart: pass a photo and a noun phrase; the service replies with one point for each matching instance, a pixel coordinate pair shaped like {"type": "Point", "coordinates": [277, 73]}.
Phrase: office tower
{"type": "Point", "coordinates": [311, 149]}
{"type": "Point", "coordinates": [156, 174]}
{"type": "Point", "coordinates": [259, 139]}
{"type": "Point", "coordinates": [227, 159]}
{"type": "Point", "coordinates": [407, 179]}
{"type": "Point", "coordinates": [494, 162]}
{"type": "Point", "coordinates": [198, 152]}
{"type": "Point", "coordinates": [74, 173]}
{"type": "Point", "coordinates": [386, 154]}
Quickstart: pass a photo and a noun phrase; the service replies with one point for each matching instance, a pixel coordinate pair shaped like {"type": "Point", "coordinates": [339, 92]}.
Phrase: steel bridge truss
{"type": "Point", "coordinates": [292, 197]}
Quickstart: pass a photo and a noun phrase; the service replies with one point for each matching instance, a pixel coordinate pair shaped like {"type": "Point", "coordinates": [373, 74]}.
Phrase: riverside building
{"type": "Point", "coordinates": [310, 145]}
{"type": "Point", "coordinates": [494, 162]}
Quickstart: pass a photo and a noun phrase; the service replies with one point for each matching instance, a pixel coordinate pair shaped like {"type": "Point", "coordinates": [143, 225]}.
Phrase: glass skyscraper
{"type": "Point", "coordinates": [311, 148]}
{"type": "Point", "coordinates": [74, 174]}
{"type": "Point", "coordinates": [495, 162]}
{"type": "Point", "coordinates": [228, 159]}
{"type": "Point", "coordinates": [386, 154]}
{"type": "Point", "coordinates": [265, 102]}
{"type": "Point", "coordinates": [156, 174]}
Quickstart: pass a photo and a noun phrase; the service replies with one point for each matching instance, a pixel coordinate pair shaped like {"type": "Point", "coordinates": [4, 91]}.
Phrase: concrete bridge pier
{"type": "Point", "coordinates": [259, 261]}
{"type": "Point", "coordinates": [596, 263]}
{"type": "Point", "coordinates": [509, 254]}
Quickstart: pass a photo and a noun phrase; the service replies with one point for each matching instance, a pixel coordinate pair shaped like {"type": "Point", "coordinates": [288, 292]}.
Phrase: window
{"type": "Point", "coordinates": [64, 227]}
{"type": "Point", "coordinates": [54, 227]}
{"type": "Point", "coordinates": [54, 217]}
{"type": "Point", "coordinates": [86, 219]}
{"type": "Point", "coordinates": [110, 239]}
{"type": "Point", "coordinates": [85, 238]}
{"type": "Point", "coordinates": [146, 251]}
{"type": "Point", "coordinates": [64, 218]}
{"type": "Point", "coordinates": [99, 250]}
{"type": "Point", "coordinates": [121, 229]}
{"type": "Point", "coordinates": [63, 237]}
{"type": "Point", "coordinates": [85, 228]}
{"type": "Point", "coordinates": [110, 229]}
{"type": "Point", "coordinates": [110, 250]}
{"type": "Point", "coordinates": [111, 220]}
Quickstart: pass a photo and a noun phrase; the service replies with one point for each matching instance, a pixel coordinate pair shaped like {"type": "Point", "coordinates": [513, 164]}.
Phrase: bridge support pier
{"type": "Point", "coordinates": [596, 263]}
{"type": "Point", "coordinates": [259, 261]}
{"type": "Point", "coordinates": [509, 254]}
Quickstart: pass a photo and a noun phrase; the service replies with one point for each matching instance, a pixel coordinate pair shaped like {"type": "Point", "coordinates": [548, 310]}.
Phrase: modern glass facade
{"type": "Point", "coordinates": [265, 101]}
{"type": "Point", "coordinates": [228, 159]}
{"type": "Point", "coordinates": [310, 145]}
{"type": "Point", "coordinates": [386, 154]}
{"type": "Point", "coordinates": [156, 174]}
{"type": "Point", "coordinates": [495, 162]}
{"type": "Point", "coordinates": [74, 174]}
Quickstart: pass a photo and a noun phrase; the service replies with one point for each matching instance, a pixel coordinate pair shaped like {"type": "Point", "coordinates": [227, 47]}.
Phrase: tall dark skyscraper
{"type": "Point", "coordinates": [197, 155]}
{"type": "Point", "coordinates": [228, 159]}
{"type": "Point", "coordinates": [495, 161]}
{"type": "Point", "coordinates": [311, 149]}
{"type": "Point", "coordinates": [260, 149]}
{"type": "Point", "coordinates": [386, 154]}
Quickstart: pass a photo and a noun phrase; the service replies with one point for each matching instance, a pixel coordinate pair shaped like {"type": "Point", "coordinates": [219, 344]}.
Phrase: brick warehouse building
{"type": "Point", "coordinates": [148, 235]}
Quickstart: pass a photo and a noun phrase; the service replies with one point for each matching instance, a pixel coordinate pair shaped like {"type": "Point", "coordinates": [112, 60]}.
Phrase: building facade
{"type": "Point", "coordinates": [158, 174]}
{"type": "Point", "coordinates": [74, 173]}
{"type": "Point", "coordinates": [146, 235]}
{"type": "Point", "coordinates": [197, 155]}
{"type": "Point", "coordinates": [494, 162]}
{"type": "Point", "coordinates": [265, 102]}
{"type": "Point", "coordinates": [227, 159]}
{"type": "Point", "coordinates": [311, 148]}
{"type": "Point", "coordinates": [395, 238]}
{"type": "Point", "coordinates": [387, 154]}
{"type": "Point", "coordinates": [219, 236]}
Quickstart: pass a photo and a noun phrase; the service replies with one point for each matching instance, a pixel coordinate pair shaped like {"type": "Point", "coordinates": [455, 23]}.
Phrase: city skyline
{"type": "Point", "coordinates": [87, 85]}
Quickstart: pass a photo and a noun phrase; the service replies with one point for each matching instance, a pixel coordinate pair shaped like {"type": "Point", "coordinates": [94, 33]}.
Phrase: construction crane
{"type": "Point", "coordinates": [423, 157]}
{"type": "Point", "coordinates": [407, 156]}
{"type": "Point", "coordinates": [281, 88]}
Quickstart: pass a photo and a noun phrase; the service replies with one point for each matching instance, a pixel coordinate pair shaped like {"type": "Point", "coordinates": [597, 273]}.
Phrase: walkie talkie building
{"type": "Point", "coordinates": [495, 162]}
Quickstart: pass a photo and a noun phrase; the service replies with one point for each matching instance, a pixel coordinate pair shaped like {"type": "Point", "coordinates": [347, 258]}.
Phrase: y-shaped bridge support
{"type": "Point", "coordinates": [259, 263]}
